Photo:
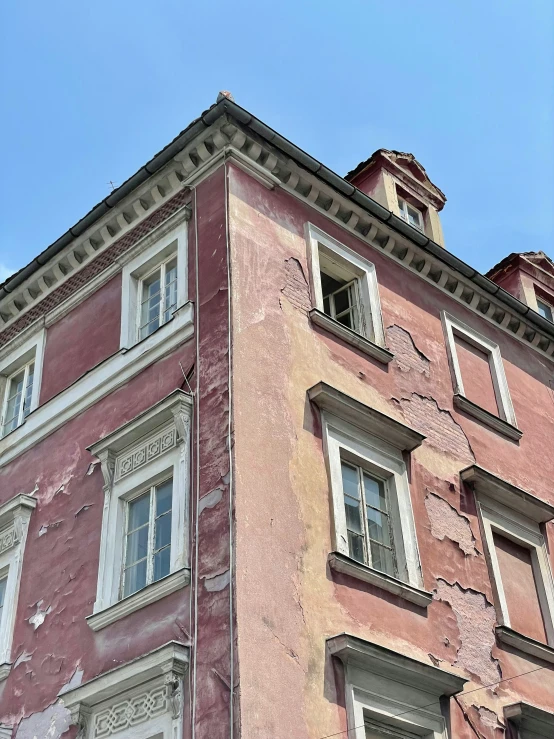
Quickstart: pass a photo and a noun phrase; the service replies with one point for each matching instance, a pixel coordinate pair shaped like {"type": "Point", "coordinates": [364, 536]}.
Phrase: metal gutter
{"type": "Point", "coordinates": [225, 105]}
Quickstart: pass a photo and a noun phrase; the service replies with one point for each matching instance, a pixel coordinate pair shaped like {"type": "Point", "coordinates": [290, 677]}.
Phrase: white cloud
{"type": "Point", "coordinates": [5, 272]}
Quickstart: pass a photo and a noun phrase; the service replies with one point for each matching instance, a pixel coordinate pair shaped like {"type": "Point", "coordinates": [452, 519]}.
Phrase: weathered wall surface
{"type": "Point", "coordinates": [288, 601]}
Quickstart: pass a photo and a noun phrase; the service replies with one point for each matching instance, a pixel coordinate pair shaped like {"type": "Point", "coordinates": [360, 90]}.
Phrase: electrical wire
{"type": "Point", "coordinates": [434, 703]}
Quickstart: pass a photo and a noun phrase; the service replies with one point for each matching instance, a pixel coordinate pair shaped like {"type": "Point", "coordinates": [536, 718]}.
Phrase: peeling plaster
{"type": "Point", "coordinates": [48, 724]}
{"type": "Point", "coordinates": [406, 354]}
{"type": "Point", "coordinates": [44, 529]}
{"type": "Point", "coordinates": [23, 657]}
{"type": "Point", "coordinates": [211, 499]}
{"type": "Point", "coordinates": [38, 618]}
{"type": "Point", "coordinates": [476, 619]}
{"type": "Point", "coordinates": [218, 581]}
{"type": "Point", "coordinates": [83, 509]}
{"type": "Point", "coordinates": [447, 522]}
{"type": "Point", "coordinates": [296, 288]}
{"type": "Point", "coordinates": [74, 682]}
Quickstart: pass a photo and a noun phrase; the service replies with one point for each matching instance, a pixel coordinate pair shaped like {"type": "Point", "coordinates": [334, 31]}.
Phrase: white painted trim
{"type": "Point", "coordinates": [171, 244]}
{"type": "Point", "coordinates": [452, 326]}
{"type": "Point", "coordinates": [160, 440]}
{"type": "Point", "coordinates": [14, 523]}
{"type": "Point", "coordinates": [350, 337]}
{"type": "Point", "coordinates": [360, 267]}
{"type": "Point", "coordinates": [102, 380]}
{"type": "Point", "coordinates": [496, 517]}
{"type": "Point", "coordinates": [341, 440]}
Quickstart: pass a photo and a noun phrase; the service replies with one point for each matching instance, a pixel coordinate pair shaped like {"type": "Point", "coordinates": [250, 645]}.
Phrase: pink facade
{"type": "Point", "coordinates": [268, 621]}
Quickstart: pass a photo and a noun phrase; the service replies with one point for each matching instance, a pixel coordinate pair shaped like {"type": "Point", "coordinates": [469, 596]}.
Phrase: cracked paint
{"type": "Point", "coordinates": [446, 522]}
{"type": "Point", "coordinates": [476, 619]}
{"type": "Point", "coordinates": [216, 582]}
{"type": "Point", "coordinates": [38, 618]}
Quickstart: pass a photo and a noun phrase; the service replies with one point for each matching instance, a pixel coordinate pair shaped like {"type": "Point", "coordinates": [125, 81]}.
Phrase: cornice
{"type": "Point", "coordinates": [271, 159]}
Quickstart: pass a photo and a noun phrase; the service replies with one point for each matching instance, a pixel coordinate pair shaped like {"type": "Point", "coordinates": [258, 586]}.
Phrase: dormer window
{"type": "Point", "coordinates": [410, 214]}
{"type": "Point", "coordinates": [545, 310]}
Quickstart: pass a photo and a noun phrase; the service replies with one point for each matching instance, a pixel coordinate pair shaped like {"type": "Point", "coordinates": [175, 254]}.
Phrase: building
{"type": "Point", "coordinates": [274, 463]}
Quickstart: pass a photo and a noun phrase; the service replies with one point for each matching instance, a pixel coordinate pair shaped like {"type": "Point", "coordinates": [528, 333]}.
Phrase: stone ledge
{"type": "Point", "coordinates": [489, 419]}
{"type": "Point", "coordinates": [525, 644]}
{"type": "Point", "coordinates": [345, 565]}
{"type": "Point", "coordinates": [146, 596]}
{"type": "Point", "coordinates": [350, 337]}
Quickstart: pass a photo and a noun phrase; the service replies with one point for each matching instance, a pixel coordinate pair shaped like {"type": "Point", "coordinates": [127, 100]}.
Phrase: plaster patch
{"type": "Point", "coordinates": [406, 354]}
{"type": "Point", "coordinates": [296, 288]}
{"type": "Point", "coordinates": [83, 509]}
{"type": "Point", "coordinates": [216, 582]}
{"type": "Point", "coordinates": [447, 522]}
{"type": "Point", "coordinates": [74, 682]}
{"type": "Point", "coordinates": [23, 657]}
{"type": "Point", "coordinates": [38, 618]}
{"type": "Point", "coordinates": [476, 619]}
{"type": "Point", "coordinates": [48, 724]}
{"type": "Point", "coordinates": [438, 425]}
{"type": "Point", "coordinates": [211, 499]}
{"type": "Point", "coordinates": [44, 529]}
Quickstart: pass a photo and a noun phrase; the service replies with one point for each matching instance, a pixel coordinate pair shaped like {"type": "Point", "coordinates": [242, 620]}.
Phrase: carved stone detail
{"type": "Point", "coordinates": [8, 538]}
{"type": "Point", "coordinates": [145, 452]}
{"type": "Point", "coordinates": [131, 712]}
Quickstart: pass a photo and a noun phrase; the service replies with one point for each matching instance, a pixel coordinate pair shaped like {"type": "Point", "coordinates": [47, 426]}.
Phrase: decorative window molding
{"type": "Point", "coordinates": [14, 522]}
{"type": "Point", "coordinates": [143, 698]}
{"type": "Point", "coordinates": [144, 311]}
{"type": "Point", "coordinates": [529, 722]}
{"type": "Point", "coordinates": [20, 380]}
{"type": "Point", "coordinates": [387, 689]}
{"type": "Point", "coordinates": [348, 304]}
{"type": "Point", "coordinates": [367, 444]}
{"type": "Point", "coordinates": [516, 515]}
{"type": "Point", "coordinates": [100, 381]}
{"type": "Point", "coordinates": [144, 453]}
{"type": "Point", "coordinates": [505, 422]}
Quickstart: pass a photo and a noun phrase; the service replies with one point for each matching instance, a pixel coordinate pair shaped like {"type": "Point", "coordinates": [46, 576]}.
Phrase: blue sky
{"type": "Point", "coordinates": [90, 91]}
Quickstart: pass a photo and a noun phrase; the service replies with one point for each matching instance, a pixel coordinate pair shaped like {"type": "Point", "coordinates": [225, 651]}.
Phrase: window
{"type": "Point", "coordinates": [20, 375]}
{"type": "Point", "coordinates": [374, 531]}
{"type": "Point", "coordinates": [143, 698]}
{"type": "Point", "coordinates": [544, 310]}
{"type": "Point", "coordinates": [154, 286]}
{"type": "Point", "coordinates": [518, 557]}
{"type": "Point", "coordinates": [478, 377]}
{"type": "Point", "coordinates": [158, 292]}
{"type": "Point", "coordinates": [345, 294]}
{"type": "Point", "coordinates": [389, 695]}
{"type": "Point", "coordinates": [144, 541]}
{"type": "Point", "coordinates": [528, 722]}
{"type": "Point", "coordinates": [14, 520]}
{"type": "Point", "coordinates": [148, 538]}
{"type": "Point", "coordinates": [410, 214]}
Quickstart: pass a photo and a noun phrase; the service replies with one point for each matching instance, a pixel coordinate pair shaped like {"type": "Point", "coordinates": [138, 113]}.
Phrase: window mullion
{"type": "Point", "coordinates": [151, 534]}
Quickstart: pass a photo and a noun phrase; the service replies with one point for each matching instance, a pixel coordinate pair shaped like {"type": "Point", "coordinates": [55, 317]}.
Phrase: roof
{"type": "Point", "coordinates": [535, 258]}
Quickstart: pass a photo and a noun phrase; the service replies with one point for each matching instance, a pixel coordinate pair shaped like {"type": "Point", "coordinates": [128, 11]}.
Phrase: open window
{"type": "Point", "coordinates": [478, 377]}
{"type": "Point", "coordinates": [346, 296]}
{"type": "Point", "coordinates": [154, 287]}
{"type": "Point", "coordinates": [20, 377]}
{"type": "Point", "coordinates": [374, 530]}
{"type": "Point", "coordinates": [144, 540]}
{"type": "Point", "coordinates": [512, 521]}
{"type": "Point", "coordinates": [389, 695]}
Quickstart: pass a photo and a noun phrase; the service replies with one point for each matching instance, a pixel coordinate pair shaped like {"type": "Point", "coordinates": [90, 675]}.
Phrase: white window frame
{"type": "Point", "coordinates": [345, 442]}
{"type": "Point", "coordinates": [11, 363]}
{"type": "Point", "coordinates": [546, 305]}
{"type": "Point", "coordinates": [173, 244]}
{"type": "Point", "coordinates": [14, 522]}
{"type": "Point", "coordinates": [392, 689]}
{"type": "Point", "coordinates": [143, 453]}
{"type": "Point", "coordinates": [141, 699]}
{"type": "Point", "coordinates": [421, 226]}
{"type": "Point", "coordinates": [360, 268]}
{"type": "Point", "coordinates": [498, 518]}
{"type": "Point", "coordinates": [453, 326]}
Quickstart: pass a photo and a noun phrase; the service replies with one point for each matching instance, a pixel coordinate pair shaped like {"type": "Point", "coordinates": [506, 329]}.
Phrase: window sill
{"type": "Point", "coordinates": [341, 563]}
{"type": "Point", "coordinates": [489, 419]}
{"type": "Point", "coordinates": [5, 669]}
{"type": "Point", "coordinates": [525, 644]}
{"type": "Point", "coordinates": [350, 337]}
{"type": "Point", "coordinates": [146, 596]}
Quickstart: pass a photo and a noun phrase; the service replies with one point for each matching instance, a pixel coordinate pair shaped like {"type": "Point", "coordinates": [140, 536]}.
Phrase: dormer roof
{"type": "Point", "coordinates": [527, 261]}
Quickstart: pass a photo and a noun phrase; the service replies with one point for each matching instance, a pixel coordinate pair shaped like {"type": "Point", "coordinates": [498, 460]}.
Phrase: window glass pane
{"type": "Point", "coordinates": [14, 400]}
{"type": "Point", "coordinates": [544, 310]}
{"type": "Point", "coordinates": [382, 558]}
{"type": "Point", "coordinates": [139, 511]}
{"type": "Point", "coordinates": [350, 481]}
{"type": "Point", "coordinates": [352, 501]}
{"type": "Point", "coordinates": [3, 583]}
{"type": "Point", "coordinates": [346, 320]}
{"type": "Point", "coordinates": [137, 546]}
{"type": "Point", "coordinates": [163, 531]}
{"type": "Point", "coordinates": [135, 578]}
{"type": "Point", "coordinates": [356, 547]}
{"type": "Point", "coordinates": [375, 493]}
{"type": "Point", "coordinates": [150, 304]}
{"type": "Point", "coordinates": [342, 300]}
{"type": "Point", "coordinates": [163, 497]}
{"type": "Point", "coordinates": [29, 391]}
{"type": "Point", "coordinates": [378, 526]}
{"type": "Point", "coordinates": [161, 563]}
{"type": "Point", "coordinates": [170, 289]}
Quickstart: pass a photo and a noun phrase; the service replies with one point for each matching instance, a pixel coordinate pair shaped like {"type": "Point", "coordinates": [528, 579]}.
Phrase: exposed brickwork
{"type": "Point", "coordinates": [296, 288]}
{"type": "Point", "coordinates": [447, 522]}
{"type": "Point", "coordinates": [406, 355]}
{"type": "Point", "coordinates": [439, 427]}
{"type": "Point", "coordinates": [94, 268]}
